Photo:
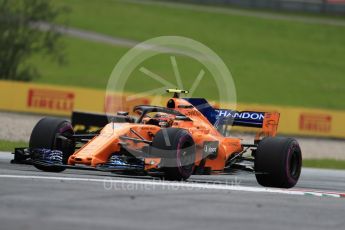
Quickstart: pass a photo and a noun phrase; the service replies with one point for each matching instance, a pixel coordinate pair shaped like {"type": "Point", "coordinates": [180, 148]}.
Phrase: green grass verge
{"type": "Point", "coordinates": [272, 62]}
{"type": "Point", "coordinates": [324, 163]}
{"type": "Point", "coordinates": [10, 145]}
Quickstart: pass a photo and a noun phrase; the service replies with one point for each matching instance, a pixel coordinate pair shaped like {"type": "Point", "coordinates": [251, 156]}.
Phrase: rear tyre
{"type": "Point", "coordinates": [44, 136]}
{"type": "Point", "coordinates": [176, 148]}
{"type": "Point", "coordinates": [278, 162]}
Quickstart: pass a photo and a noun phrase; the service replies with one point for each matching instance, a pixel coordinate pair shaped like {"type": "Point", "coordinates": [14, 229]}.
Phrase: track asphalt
{"type": "Point", "coordinates": [30, 199]}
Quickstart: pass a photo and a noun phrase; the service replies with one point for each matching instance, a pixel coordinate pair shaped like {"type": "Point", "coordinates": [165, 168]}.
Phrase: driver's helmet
{"type": "Point", "coordinates": [162, 119]}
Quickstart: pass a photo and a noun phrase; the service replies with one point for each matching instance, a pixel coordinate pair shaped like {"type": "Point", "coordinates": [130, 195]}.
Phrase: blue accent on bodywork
{"type": "Point", "coordinates": [47, 156]}
{"type": "Point", "coordinates": [205, 108]}
{"type": "Point", "coordinates": [244, 118]}
{"type": "Point", "coordinates": [227, 116]}
{"type": "Point", "coordinates": [119, 163]}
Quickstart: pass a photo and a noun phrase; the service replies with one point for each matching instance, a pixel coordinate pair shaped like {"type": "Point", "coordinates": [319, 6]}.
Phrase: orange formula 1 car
{"type": "Point", "coordinates": [186, 137]}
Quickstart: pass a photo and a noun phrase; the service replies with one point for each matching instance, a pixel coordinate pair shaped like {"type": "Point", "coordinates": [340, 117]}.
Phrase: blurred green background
{"type": "Point", "coordinates": [272, 61]}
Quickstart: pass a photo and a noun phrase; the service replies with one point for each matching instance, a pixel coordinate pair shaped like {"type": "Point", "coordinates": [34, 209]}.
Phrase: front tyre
{"type": "Point", "coordinates": [176, 148]}
{"type": "Point", "coordinates": [278, 162]}
{"type": "Point", "coordinates": [44, 136]}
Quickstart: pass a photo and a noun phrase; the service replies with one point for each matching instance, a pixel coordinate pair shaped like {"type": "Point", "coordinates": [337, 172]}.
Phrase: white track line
{"type": "Point", "coordinates": [6, 156]}
{"type": "Point", "coordinates": [114, 183]}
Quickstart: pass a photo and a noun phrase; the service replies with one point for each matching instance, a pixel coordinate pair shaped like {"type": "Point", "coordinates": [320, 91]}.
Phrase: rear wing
{"type": "Point", "coordinates": [243, 118]}
{"type": "Point", "coordinates": [266, 121]}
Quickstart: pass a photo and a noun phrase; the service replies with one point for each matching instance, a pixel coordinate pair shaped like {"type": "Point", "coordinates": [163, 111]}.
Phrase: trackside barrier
{"type": "Point", "coordinates": [336, 7]}
{"type": "Point", "coordinates": [58, 100]}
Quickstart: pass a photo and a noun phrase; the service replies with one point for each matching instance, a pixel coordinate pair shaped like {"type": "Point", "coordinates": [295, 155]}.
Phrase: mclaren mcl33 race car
{"type": "Point", "coordinates": [186, 137]}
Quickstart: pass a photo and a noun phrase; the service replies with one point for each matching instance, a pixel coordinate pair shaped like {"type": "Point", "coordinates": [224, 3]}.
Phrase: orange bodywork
{"type": "Point", "coordinates": [98, 150]}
